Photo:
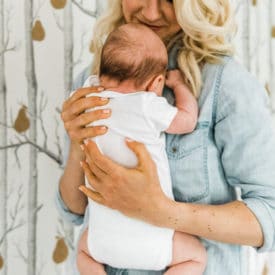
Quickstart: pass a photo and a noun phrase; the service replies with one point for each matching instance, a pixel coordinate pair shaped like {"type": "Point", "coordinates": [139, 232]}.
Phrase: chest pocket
{"type": "Point", "coordinates": [187, 156]}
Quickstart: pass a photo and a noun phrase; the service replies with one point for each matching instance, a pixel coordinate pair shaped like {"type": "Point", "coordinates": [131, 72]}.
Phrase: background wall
{"type": "Point", "coordinates": [43, 46]}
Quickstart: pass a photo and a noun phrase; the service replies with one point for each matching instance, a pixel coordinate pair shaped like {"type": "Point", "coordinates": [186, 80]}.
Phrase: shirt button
{"type": "Point", "coordinates": [174, 149]}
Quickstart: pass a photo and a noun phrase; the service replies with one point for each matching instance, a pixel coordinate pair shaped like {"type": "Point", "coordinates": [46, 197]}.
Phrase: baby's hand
{"type": "Point", "coordinates": [173, 79]}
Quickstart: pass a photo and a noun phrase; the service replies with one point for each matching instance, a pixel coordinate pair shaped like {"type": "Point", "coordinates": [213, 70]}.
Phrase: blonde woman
{"type": "Point", "coordinates": [232, 146]}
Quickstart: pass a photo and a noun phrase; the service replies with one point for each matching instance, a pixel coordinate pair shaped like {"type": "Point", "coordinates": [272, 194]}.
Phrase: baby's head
{"type": "Point", "coordinates": [134, 53]}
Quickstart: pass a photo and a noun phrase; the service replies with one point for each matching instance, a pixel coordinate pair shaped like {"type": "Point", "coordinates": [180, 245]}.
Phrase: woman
{"type": "Point", "coordinates": [232, 146]}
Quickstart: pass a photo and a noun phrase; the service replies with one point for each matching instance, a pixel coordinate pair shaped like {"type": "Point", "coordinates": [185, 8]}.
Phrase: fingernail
{"type": "Point", "coordinates": [82, 147]}
{"type": "Point", "coordinates": [104, 98]}
{"type": "Point", "coordinates": [81, 188]}
{"type": "Point", "coordinates": [86, 141]}
{"type": "Point", "coordinates": [100, 89]}
{"type": "Point", "coordinates": [103, 128]}
{"type": "Point", "coordinates": [81, 163]}
{"type": "Point", "coordinates": [106, 111]}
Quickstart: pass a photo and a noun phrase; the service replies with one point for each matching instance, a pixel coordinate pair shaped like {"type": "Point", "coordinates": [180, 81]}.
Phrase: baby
{"type": "Point", "coordinates": [133, 72]}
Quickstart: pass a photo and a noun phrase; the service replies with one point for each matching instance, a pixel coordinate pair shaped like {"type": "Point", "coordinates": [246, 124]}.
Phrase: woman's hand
{"type": "Point", "coordinates": [136, 192]}
{"type": "Point", "coordinates": [75, 119]}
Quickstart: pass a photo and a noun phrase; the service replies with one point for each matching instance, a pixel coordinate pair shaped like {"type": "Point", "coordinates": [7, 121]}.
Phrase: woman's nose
{"type": "Point", "coordinates": [151, 10]}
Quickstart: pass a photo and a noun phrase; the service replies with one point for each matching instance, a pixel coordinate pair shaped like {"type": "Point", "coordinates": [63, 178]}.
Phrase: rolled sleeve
{"type": "Point", "coordinates": [245, 136]}
{"type": "Point", "coordinates": [65, 213]}
{"type": "Point", "coordinates": [262, 212]}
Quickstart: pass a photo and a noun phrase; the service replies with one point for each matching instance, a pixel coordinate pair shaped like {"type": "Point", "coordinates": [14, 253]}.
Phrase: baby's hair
{"type": "Point", "coordinates": [125, 56]}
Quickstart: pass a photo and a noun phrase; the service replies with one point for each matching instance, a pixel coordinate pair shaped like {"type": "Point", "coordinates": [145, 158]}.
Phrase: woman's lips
{"type": "Point", "coordinates": [152, 27]}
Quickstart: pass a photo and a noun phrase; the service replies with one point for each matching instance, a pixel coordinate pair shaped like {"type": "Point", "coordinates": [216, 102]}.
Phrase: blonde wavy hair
{"type": "Point", "coordinates": [207, 30]}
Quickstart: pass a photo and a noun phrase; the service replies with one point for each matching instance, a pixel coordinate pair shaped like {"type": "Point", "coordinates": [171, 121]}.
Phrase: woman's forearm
{"type": "Point", "coordinates": [71, 179]}
{"type": "Point", "coordinates": [137, 193]}
{"type": "Point", "coordinates": [231, 222]}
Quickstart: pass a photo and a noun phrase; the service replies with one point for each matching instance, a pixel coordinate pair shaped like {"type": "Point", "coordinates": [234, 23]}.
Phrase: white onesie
{"type": "Point", "coordinates": [114, 238]}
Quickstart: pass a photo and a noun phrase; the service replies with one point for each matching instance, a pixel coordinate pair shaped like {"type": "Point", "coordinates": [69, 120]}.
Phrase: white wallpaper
{"type": "Point", "coordinates": [28, 181]}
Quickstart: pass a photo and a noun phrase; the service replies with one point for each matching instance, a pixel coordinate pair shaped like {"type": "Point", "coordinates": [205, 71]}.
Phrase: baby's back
{"type": "Point", "coordinates": [114, 238]}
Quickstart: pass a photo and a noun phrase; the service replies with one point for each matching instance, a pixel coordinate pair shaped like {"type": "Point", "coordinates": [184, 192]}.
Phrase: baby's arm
{"type": "Point", "coordinates": [186, 118]}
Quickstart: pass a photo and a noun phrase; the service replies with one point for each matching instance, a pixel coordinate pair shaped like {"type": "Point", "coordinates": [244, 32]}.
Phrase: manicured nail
{"type": "Point", "coordinates": [106, 111]}
{"type": "Point", "coordinates": [82, 147]}
{"type": "Point", "coordinates": [86, 141]}
{"type": "Point", "coordinates": [82, 188]}
{"type": "Point", "coordinates": [103, 128]}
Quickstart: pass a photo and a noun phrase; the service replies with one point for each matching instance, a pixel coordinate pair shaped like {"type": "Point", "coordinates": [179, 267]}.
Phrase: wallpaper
{"type": "Point", "coordinates": [44, 45]}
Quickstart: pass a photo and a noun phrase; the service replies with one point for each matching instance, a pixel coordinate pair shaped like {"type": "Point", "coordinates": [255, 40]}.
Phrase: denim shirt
{"type": "Point", "coordinates": [232, 146]}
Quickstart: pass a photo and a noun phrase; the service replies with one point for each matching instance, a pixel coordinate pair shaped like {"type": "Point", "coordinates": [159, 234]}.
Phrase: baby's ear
{"type": "Point", "coordinates": [156, 84]}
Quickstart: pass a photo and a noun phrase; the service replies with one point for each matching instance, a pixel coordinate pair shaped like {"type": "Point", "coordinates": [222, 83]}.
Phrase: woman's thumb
{"type": "Point", "coordinates": [140, 151]}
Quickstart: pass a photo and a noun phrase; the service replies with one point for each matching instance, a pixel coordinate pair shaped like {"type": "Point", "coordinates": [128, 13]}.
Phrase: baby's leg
{"type": "Point", "coordinates": [189, 255]}
{"type": "Point", "coordinates": [85, 263]}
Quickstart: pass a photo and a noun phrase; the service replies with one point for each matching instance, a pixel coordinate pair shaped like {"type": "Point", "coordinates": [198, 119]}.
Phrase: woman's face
{"type": "Point", "coordinates": [158, 15]}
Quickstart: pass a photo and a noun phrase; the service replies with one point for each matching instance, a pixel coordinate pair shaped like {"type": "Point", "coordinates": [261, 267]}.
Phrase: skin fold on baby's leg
{"type": "Point", "coordinates": [189, 255]}
{"type": "Point", "coordinates": [85, 263]}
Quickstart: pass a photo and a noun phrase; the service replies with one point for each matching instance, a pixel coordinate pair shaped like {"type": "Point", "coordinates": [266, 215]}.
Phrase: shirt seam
{"type": "Point", "coordinates": [217, 89]}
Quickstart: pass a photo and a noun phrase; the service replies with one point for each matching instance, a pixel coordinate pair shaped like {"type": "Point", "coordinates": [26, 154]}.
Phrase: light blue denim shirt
{"type": "Point", "coordinates": [232, 146]}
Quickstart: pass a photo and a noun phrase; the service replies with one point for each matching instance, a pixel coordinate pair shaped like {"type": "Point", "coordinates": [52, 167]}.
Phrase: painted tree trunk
{"type": "Point", "coordinates": [3, 142]}
{"type": "Point", "coordinates": [246, 34]}
{"type": "Point", "coordinates": [68, 83]}
{"type": "Point", "coordinates": [68, 47]}
{"type": "Point", "coordinates": [259, 27]}
{"type": "Point", "coordinates": [100, 6]}
{"type": "Point", "coordinates": [32, 99]}
{"type": "Point", "coordinates": [271, 52]}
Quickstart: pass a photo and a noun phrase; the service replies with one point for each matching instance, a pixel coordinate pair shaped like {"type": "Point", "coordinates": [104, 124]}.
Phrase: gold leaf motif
{"type": "Point", "coordinates": [58, 4]}
{"type": "Point", "coordinates": [22, 122]}
{"type": "Point", "coordinates": [38, 32]}
{"type": "Point", "coordinates": [273, 32]}
{"type": "Point", "coordinates": [265, 270]}
{"type": "Point", "coordinates": [1, 262]}
{"type": "Point", "coordinates": [61, 251]}
{"type": "Point", "coordinates": [267, 88]}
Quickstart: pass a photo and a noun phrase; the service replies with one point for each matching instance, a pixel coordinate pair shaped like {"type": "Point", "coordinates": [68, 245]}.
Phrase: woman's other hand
{"type": "Point", "coordinates": [75, 118]}
{"type": "Point", "coordinates": [135, 192]}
